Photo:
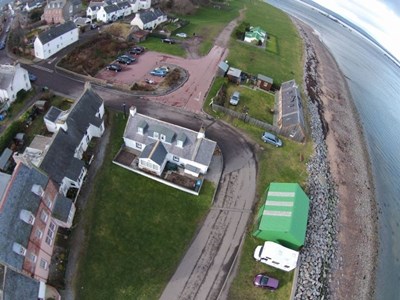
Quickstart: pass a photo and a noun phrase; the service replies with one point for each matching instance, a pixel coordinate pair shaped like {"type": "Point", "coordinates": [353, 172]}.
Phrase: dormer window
{"type": "Point", "coordinates": [19, 249]}
{"type": "Point", "coordinates": [155, 135]}
{"type": "Point", "coordinates": [162, 137]}
{"type": "Point", "coordinates": [37, 189]}
{"type": "Point", "coordinates": [27, 216]}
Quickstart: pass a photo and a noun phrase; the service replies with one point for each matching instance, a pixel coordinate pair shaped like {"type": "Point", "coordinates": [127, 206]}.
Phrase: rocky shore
{"type": "Point", "coordinates": [339, 258]}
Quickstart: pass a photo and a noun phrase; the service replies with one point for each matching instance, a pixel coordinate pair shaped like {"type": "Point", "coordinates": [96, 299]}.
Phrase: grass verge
{"type": "Point", "coordinates": [137, 230]}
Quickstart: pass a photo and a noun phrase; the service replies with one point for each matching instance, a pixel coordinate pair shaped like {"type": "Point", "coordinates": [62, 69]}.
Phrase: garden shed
{"type": "Point", "coordinates": [222, 69]}
{"type": "Point", "coordinates": [283, 217]}
{"type": "Point", "coordinates": [264, 82]}
{"type": "Point", "coordinates": [234, 75]}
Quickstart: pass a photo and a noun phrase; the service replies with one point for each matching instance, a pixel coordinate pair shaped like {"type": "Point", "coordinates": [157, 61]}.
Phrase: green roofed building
{"type": "Point", "coordinates": [283, 217]}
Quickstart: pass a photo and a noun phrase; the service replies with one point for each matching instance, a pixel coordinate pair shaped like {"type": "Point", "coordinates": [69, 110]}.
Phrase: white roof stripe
{"type": "Point", "coordinates": [279, 203]}
{"type": "Point", "coordinates": [281, 194]}
{"type": "Point", "coordinates": [277, 213]}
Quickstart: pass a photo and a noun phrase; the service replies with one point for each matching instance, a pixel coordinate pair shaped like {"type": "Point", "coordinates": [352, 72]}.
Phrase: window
{"type": "Point", "coordinates": [38, 233]}
{"type": "Point", "coordinates": [162, 137]}
{"type": "Point", "coordinates": [139, 145]}
{"type": "Point", "coordinates": [155, 135]}
{"type": "Point", "coordinates": [43, 264]}
{"type": "Point", "coordinates": [49, 203]}
{"type": "Point", "coordinates": [51, 233]}
{"type": "Point", "coordinates": [32, 257]}
{"type": "Point", "coordinates": [176, 158]}
{"type": "Point", "coordinates": [87, 139]}
{"type": "Point", "coordinates": [44, 216]}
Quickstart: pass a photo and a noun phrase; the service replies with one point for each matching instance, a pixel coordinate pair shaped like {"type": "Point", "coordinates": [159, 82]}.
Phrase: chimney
{"type": "Point", "coordinates": [201, 133]}
{"type": "Point", "coordinates": [88, 85]}
{"type": "Point", "coordinates": [132, 111]}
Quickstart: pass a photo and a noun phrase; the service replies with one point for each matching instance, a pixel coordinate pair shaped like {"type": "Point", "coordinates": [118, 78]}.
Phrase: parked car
{"type": "Point", "coordinates": [235, 98]}
{"type": "Point", "coordinates": [32, 77]}
{"type": "Point", "coordinates": [182, 35]}
{"type": "Point", "coordinates": [265, 282]}
{"type": "Point", "coordinates": [271, 139]}
{"type": "Point", "coordinates": [114, 67]}
{"type": "Point", "coordinates": [2, 45]}
{"type": "Point", "coordinates": [128, 57]}
{"type": "Point", "coordinates": [168, 41]}
{"type": "Point", "coordinates": [162, 68]}
{"type": "Point", "coordinates": [160, 73]}
{"type": "Point", "coordinates": [137, 50]}
{"type": "Point", "coordinates": [124, 60]}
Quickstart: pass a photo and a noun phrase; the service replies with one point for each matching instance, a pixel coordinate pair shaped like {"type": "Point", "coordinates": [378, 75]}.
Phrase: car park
{"type": "Point", "coordinates": [181, 35]}
{"type": "Point", "coordinates": [235, 98]}
{"type": "Point", "coordinates": [137, 50]}
{"type": "Point", "coordinates": [159, 73]}
{"type": "Point", "coordinates": [114, 67]}
{"type": "Point", "coordinates": [168, 41]}
{"type": "Point", "coordinates": [271, 139]}
{"type": "Point", "coordinates": [265, 282]}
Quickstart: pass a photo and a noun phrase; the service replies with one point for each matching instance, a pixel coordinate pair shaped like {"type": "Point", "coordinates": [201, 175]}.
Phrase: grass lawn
{"type": "Point", "coordinates": [256, 103]}
{"type": "Point", "coordinates": [282, 58]}
{"type": "Point", "coordinates": [137, 230]}
{"type": "Point", "coordinates": [155, 44]}
{"type": "Point", "coordinates": [208, 22]}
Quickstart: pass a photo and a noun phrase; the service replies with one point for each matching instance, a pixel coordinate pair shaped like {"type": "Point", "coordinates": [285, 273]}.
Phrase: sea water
{"type": "Point", "coordinates": [374, 82]}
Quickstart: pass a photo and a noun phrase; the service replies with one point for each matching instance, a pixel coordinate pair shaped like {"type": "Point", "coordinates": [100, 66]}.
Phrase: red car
{"type": "Point", "coordinates": [266, 282]}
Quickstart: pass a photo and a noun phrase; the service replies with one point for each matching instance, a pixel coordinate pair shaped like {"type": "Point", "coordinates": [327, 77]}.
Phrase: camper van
{"type": "Point", "coordinates": [276, 256]}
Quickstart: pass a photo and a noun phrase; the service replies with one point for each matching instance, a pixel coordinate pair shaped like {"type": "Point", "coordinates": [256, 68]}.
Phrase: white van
{"type": "Point", "coordinates": [276, 256]}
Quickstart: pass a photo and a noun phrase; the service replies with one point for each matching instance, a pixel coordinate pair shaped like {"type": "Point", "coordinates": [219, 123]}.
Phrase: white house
{"type": "Point", "coordinates": [56, 38]}
{"type": "Point", "coordinates": [160, 142]}
{"type": "Point", "coordinates": [13, 78]}
{"type": "Point", "coordinates": [149, 19]}
{"type": "Point", "coordinates": [61, 157]}
{"type": "Point", "coordinates": [93, 8]}
{"type": "Point", "coordinates": [29, 6]}
{"type": "Point", "coordinates": [109, 13]}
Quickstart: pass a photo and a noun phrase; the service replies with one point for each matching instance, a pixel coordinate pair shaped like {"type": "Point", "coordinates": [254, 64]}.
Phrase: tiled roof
{"type": "Point", "coordinates": [111, 8]}
{"type": "Point", "coordinates": [62, 208]}
{"type": "Point", "coordinates": [56, 31]}
{"type": "Point", "coordinates": [18, 286]}
{"type": "Point", "coordinates": [18, 197]}
{"type": "Point", "coordinates": [156, 152]}
{"type": "Point", "coordinates": [198, 150]}
{"type": "Point", "coordinates": [59, 160]}
{"type": "Point", "coordinates": [53, 114]}
{"type": "Point", "coordinates": [151, 15]}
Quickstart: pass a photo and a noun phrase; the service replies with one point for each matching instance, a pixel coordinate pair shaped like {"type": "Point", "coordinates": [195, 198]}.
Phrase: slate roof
{"type": "Point", "coordinates": [123, 4]}
{"type": "Point", "coordinates": [5, 157]}
{"type": "Point", "coordinates": [198, 150]}
{"type": "Point", "coordinates": [156, 152]}
{"type": "Point", "coordinates": [53, 114]}
{"type": "Point", "coordinates": [234, 72]}
{"type": "Point", "coordinates": [7, 73]}
{"type": "Point", "coordinates": [59, 161]}
{"type": "Point", "coordinates": [18, 197]}
{"type": "Point", "coordinates": [56, 31]}
{"type": "Point", "coordinates": [62, 208]}
{"type": "Point", "coordinates": [111, 8]}
{"type": "Point", "coordinates": [223, 66]}
{"type": "Point", "coordinates": [18, 286]}
{"type": "Point", "coordinates": [95, 5]}
{"type": "Point", "coordinates": [151, 15]}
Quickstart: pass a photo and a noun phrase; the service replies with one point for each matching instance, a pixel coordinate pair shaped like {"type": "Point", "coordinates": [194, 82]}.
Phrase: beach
{"type": "Point", "coordinates": [348, 270]}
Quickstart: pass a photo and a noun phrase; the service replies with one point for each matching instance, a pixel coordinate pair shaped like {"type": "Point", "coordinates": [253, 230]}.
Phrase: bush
{"type": "Point", "coordinates": [9, 133]}
{"type": "Point", "coordinates": [220, 98]}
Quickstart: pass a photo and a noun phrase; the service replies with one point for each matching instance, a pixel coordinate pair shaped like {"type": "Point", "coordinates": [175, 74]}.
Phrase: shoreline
{"type": "Point", "coordinates": [350, 267]}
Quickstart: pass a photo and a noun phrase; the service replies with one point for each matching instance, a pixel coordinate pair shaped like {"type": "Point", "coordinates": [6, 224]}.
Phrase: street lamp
{"type": "Point", "coordinates": [124, 107]}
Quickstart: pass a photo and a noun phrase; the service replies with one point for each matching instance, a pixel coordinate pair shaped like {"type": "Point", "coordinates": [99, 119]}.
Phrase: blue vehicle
{"type": "Point", "coordinates": [158, 72]}
{"type": "Point", "coordinates": [2, 45]}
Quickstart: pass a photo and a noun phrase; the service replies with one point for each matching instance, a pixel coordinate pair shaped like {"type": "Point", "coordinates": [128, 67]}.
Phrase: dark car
{"type": "Point", "coordinates": [168, 41]}
{"type": "Point", "coordinates": [137, 50]}
{"type": "Point", "coordinates": [32, 77]}
{"type": "Point", "coordinates": [114, 67]}
{"type": "Point", "coordinates": [266, 282]}
{"type": "Point", "coordinates": [2, 45]}
{"type": "Point", "coordinates": [130, 57]}
{"type": "Point", "coordinates": [125, 60]}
